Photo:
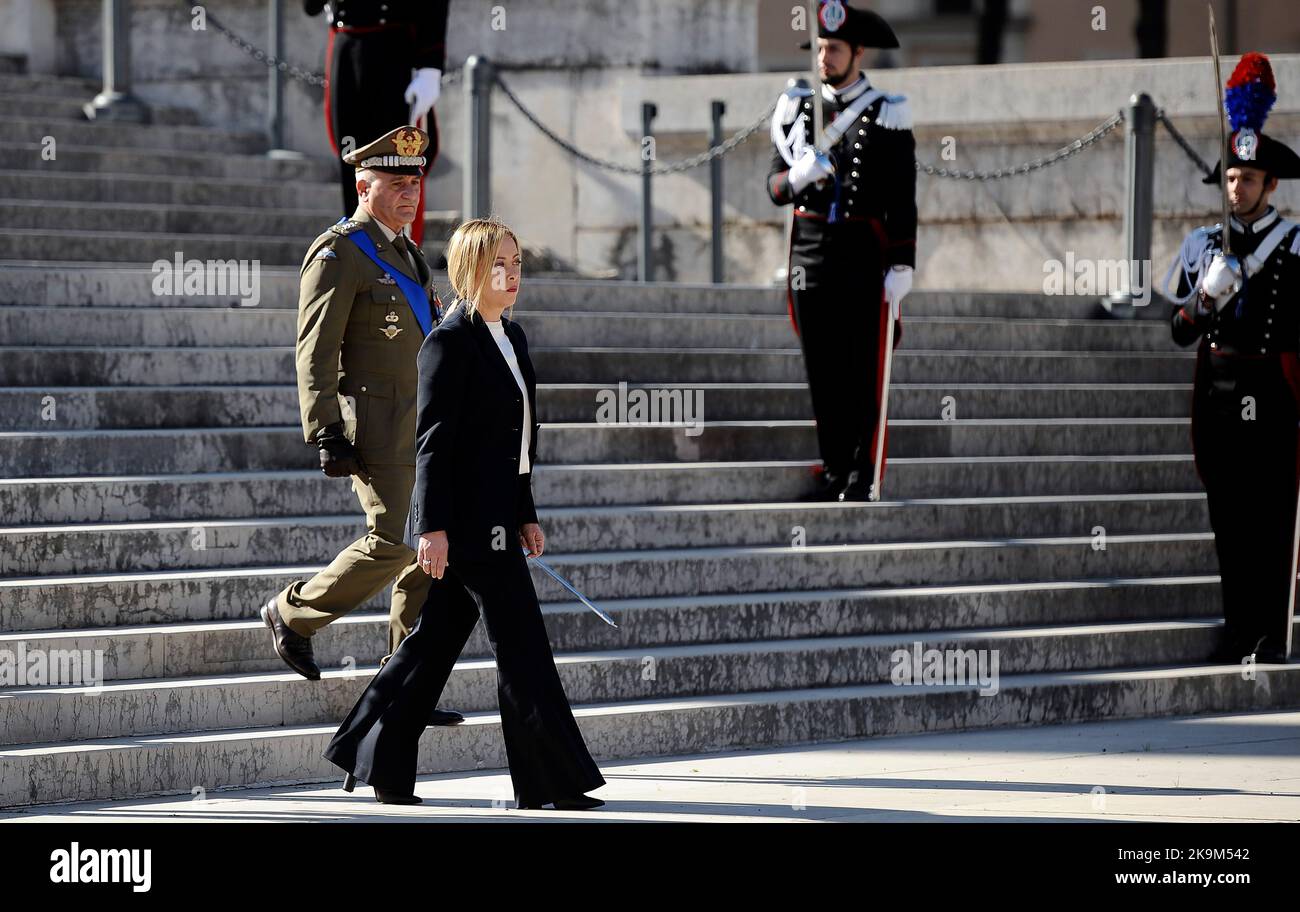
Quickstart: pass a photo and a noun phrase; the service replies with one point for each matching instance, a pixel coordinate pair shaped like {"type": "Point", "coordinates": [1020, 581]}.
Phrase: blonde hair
{"type": "Point", "coordinates": [471, 253]}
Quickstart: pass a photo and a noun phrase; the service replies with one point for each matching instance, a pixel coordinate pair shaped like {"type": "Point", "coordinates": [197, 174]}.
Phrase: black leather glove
{"type": "Point", "coordinates": [338, 457]}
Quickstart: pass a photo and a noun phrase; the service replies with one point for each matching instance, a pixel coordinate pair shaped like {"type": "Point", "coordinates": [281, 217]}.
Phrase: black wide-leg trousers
{"type": "Point", "coordinates": [379, 740]}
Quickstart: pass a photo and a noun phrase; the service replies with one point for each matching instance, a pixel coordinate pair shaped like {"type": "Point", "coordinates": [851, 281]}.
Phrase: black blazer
{"type": "Point", "coordinates": [469, 421]}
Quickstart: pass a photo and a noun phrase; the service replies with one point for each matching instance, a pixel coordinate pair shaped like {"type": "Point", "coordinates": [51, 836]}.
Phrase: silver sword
{"type": "Point", "coordinates": [567, 585]}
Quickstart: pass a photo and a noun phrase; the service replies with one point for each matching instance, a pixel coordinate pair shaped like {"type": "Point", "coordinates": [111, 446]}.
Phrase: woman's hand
{"type": "Point", "coordinates": [531, 537]}
{"type": "Point", "coordinates": [432, 554]}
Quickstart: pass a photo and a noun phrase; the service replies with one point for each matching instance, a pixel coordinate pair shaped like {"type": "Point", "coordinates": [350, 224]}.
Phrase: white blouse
{"type": "Point", "coordinates": [503, 342]}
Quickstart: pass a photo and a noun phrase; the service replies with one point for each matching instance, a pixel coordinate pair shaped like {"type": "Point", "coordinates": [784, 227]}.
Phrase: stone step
{"type": "Point", "coordinates": [32, 551]}
{"type": "Point", "coordinates": [43, 103]}
{"type": "Point", "coordinates": [241, 646]}
{"type": "Point", "coordinates": [130, 246]}
{"type": "Point", "coordinates": [209, 165]}
{"type": "Point", "coordinates": [159, 190]}
{"type": "Point", "coordinates": [46, 714]}
{"type": "Point", "coordinates": [163, 764]}
{"type": "Point", "coordinates": [115, 452]}
{"type": "Point", "coordinates": [45, 366]}
{"type": "Point", "coordinates": [163, 219]}
{"type": "Point", "coordinates": [218, 495]}
{"type": "Point", "coordinates": [144, 138]}
{"type": "Point", "coordinates": [82, 89]}
{"type": "Point", "coordinates": [261, 326]}
{"type": "Point", "coordinates": [105, 407]}
{"type": "Point", "coordinates": [85, 284]}
{"type": "Point", "coordinates": [909, 365]}
{"type": "Point", "coordinates": [86, 600]}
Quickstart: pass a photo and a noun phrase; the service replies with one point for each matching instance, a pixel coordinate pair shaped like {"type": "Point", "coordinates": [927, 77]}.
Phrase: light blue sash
{"type": "Point", "coordinates": [411, 290]}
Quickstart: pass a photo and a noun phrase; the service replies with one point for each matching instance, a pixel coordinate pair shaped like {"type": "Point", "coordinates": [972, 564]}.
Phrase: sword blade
{"type": "Point", "coordinates": [814, 7]}
{"type": "Point", "coordinates": [1223, 129]}
{"type": "Point", "coordinates": [567, 585]}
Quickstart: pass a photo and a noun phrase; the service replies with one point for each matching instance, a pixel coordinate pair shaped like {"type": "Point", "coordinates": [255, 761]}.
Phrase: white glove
{"type": "Point", "coordinates": [1222, 279]}
{"type": "Point", "coordinates": [898, 282]}
{"type": "Point", "coordinates": [423, 91]}
{"type": "Point", "coordinates": [809, 168]}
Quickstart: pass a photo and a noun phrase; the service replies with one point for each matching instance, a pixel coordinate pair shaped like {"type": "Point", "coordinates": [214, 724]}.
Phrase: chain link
{"type": "Point", "coordinates": [684, 164]}
{"type": "Point", "coordinates": [272, 62]}
{"type": "Point", "coordinates": [1036, 164]}
{"type": "Point", "coordinates": [1183, 143]}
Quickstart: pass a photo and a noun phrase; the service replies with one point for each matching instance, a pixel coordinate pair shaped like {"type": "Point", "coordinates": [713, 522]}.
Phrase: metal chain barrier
{"type": "Point", "coordinates": [684, 164]}
{"type": "Point", "coordinates": [1183, 144]}
{"type": "Point", "coordinates": [284, 66]}
{"type": "Point", "coordinates": [1036, 164]}
{"type": "Point", "coordinates": [723, 148]}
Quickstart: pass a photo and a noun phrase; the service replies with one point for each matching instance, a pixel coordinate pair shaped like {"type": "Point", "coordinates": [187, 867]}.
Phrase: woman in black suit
{"type": "Point", "coordinates": [471, 518]}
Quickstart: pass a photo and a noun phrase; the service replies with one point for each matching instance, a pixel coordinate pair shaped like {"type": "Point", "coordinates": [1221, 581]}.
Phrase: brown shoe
{"type": "Point", "coordinates": [293, 647]}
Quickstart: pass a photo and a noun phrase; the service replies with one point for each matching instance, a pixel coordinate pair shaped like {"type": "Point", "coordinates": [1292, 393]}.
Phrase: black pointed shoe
{"type": "Point", "coordinates": [293, 647]}
{"type": "Point", "coordinates": [580, 803]}
{"type": "Point", "coordinates": [858, 488]}
{"type": "Point", "coordinates": [445, 717]}
{"type": "Point", "coordinates": [828, 488]}
{"type": "Point", "coordinates": [384, 797]}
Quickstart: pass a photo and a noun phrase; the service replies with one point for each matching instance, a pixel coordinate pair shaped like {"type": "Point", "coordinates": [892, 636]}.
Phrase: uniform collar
{"type": "Point", "coordinates": [361, 215]}
{"type": "Point", "coordinates": [849, 92]}
{"type": "Point", "coordinates": [1260, 225]}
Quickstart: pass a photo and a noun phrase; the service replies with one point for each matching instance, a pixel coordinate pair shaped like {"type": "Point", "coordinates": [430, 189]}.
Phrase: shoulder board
{"type": "Point", "coordinates": [347, 227]}
{"type": "Point", "coordinates": [895, 113]}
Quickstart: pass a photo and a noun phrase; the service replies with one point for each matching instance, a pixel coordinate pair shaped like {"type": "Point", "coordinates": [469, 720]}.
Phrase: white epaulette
{"type": "Point", "coordinates": [895, 113]}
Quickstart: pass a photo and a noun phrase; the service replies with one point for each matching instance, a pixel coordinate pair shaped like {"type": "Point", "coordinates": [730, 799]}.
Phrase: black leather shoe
{"type": "Point", "coordinates": [580, 803]}
{"type": "Point", "coordinates": [293, 647]}
{"type": "Point", "coordinates": [349, 782]}
{"type": "Point", "coordinates": [827, 489]}
{"type": "Point", "coordinates": [384, 797]}
{"type": "Point", "coordinates": [858, 488]}
{"type": "Point", "coordinates": [1270, 657]}
{"type": "Point", "coordinates": [445, 717]}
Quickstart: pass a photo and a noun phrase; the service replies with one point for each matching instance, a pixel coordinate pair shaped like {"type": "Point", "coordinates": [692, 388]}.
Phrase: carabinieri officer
{"type": "Point", "coordinates": [1245, 310]}
{"type": "Point", "coordinates": [852, 242]}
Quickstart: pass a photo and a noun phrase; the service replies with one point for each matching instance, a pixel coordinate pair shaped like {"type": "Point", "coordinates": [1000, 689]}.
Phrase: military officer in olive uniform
{"type": "Point", "coordinates": [1244, 310]}
{"type": "Point", "coordinates": [365, 303]}
{"type": "Point", "coordinates": [852, 241]}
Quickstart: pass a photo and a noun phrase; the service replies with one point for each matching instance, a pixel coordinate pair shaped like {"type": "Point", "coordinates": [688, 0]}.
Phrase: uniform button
{"type": "Point", "coordinates": [1263, 351]}
{"type": "Point", "coordinates": [862, 132]}
{"type": "Point", "coordinates": [857, 146]}
{"type": "Point", "coordinates": [857, 161]}
{"type": "Point", "coordinates": [339, 24]}
{"type": "Point", "coordinates": [1266, 335]}
{"type": "Point", "coordinates": [803, 208]}
{"type": "Point", "coordinates": [382, 21]}
{"type": "Point", "coordinates": [363, 389]}
{"type": "Point", "coordinates": [1270, 319]}
{"type": "Point", "coordinates": [853, 174]}
{"type": "Point", "coordinates": [853, 186]}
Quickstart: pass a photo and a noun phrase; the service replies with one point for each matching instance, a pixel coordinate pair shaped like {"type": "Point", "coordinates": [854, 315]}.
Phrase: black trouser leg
{"type": "Point", "coordinates": [1249, 469]}
{"type": "Point", "coordinates": [835, 332]}
{"type": "Point", "coordinates": [379, 741]}
{"type": "Point", "coordinates": [547, 754]}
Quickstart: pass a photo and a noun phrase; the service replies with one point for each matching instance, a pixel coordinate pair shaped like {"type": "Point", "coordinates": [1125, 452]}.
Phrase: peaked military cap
{"type": "Point", "coordinates": [400, 151]}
